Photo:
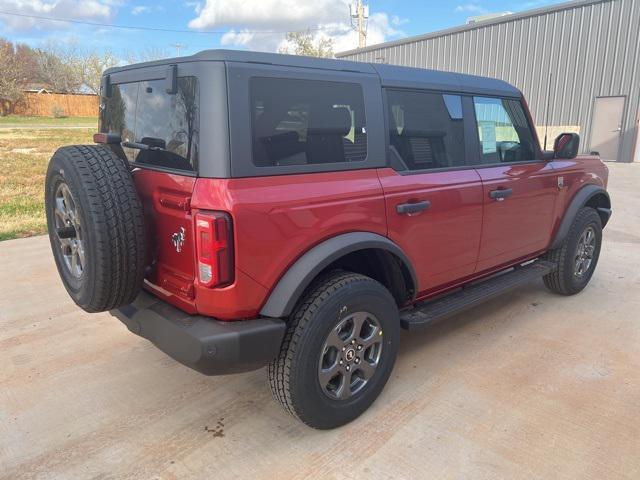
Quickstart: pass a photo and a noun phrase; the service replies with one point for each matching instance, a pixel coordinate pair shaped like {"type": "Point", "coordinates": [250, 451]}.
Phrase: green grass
{"type": "Point", "coordinates": [26, 121]}
{"type": "Point", "coordinates": [25, 154]}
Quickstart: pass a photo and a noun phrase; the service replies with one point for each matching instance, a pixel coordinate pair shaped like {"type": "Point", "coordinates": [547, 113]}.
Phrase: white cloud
{"type": "Point", "coordinates": [325, 18]}
{"type": "Point", "coordinates": [397, 21]}
{"type": "Point", "coordinates": [275, 14]}
{"type": "Point", "coordinates": [138, 9]}
{"type": "Point", "coordinates": [470, 8]}
{"type": "Point", "coordinates": [237, 38]}
{"type": "Point", "coordinates": [196, 6]}
{"type": "Point", "coordinates": [92, 10]}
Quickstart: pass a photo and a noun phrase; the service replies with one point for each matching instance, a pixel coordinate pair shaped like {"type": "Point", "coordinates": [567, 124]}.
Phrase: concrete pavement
{"type": "Point", "coordinates": [531, 385]}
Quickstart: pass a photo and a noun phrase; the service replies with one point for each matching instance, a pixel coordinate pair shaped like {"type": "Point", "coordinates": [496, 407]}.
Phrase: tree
{"type": "Point", "coordinates": [303, 43]}
{"type": "Point", "coordinates": [147, 55]}
{"type": "Point", "coordinates": [58, 69]}
{"type": "Point", "coordinates": [92, 65]}
{"type": "Point", "coordinates": [12, 77]}
{"type": "Point", "coordinates": [188, 100]}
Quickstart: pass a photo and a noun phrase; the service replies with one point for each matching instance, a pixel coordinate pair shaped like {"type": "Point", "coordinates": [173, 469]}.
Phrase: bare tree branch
{"type": "Point", "coordinates": [302, 43]}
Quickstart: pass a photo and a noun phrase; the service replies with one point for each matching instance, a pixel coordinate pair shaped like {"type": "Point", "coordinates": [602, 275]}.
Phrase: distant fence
{"type": "Point", "coordinates": [57, 104]}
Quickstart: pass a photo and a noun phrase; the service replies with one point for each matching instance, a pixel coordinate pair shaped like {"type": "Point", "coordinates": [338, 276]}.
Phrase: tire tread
{"type": "Point", "coordinates": [279, 370]}
{"type": "Point", "coordinates": [111, 201]}
{"type": "Point", "coordinates": [559, 281]}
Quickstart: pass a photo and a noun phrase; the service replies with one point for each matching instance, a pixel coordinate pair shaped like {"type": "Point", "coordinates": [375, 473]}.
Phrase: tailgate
{"type": "Point", "coordinates": [171, 252]}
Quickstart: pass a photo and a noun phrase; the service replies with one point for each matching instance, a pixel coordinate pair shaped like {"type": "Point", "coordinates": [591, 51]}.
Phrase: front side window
{"type": "Point", "coordinates": [300, 122]}
{"type": "Point", "coordinates": [426, 130]}
{"type": "Point", "coordinates": [503, 130]}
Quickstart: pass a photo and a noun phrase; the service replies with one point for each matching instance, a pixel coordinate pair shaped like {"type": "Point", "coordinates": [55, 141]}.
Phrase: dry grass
{"type": "Point", "coordinates": [26, 121]}
{"type": "Point", "coordinates": [25, 154]}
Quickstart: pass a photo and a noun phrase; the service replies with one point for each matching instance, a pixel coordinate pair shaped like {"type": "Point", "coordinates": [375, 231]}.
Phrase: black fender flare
{"type": "Point", "coordinates": [579, 200]}
{"type": "Point", "coordinates": [297, 278]}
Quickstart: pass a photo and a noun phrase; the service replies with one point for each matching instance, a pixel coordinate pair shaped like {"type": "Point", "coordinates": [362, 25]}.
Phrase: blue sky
{"type": "Point", "coordinates": [243, 24]}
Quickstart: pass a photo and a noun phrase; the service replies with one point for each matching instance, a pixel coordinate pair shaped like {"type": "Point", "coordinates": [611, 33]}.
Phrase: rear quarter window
{"type": "Point", "coordinates": [302, 122]}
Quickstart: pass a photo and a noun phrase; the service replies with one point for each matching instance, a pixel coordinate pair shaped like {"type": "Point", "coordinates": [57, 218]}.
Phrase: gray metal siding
{"type": "Point", "coordinates": [591, 49]}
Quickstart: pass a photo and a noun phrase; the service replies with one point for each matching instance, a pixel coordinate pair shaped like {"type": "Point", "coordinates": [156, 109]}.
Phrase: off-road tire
{"type": "Point", "coordinates": [293, 374]}
{"type": "Point", "coordinates": [562, 280]}
{"type": "Point", "coordinates": [111, 218]}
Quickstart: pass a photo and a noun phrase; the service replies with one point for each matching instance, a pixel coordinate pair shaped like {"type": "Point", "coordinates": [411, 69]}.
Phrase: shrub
{"type": "Point", "coordinates": [58, 112]}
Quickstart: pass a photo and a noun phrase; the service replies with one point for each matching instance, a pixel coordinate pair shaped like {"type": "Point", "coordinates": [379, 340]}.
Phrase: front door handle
{"type": "Point", "coordinates": [413, 207]}
{"type": "Point", "coordinates": [500, 194]}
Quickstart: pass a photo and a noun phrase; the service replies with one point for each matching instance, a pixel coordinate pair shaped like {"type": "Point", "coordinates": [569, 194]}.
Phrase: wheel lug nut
{"type": "Point", "coordinates": [341, 362]}
{"type": "Point", "coordinates": [353, 342]}
{"type": "Point", "coordinates": [357, 360]}
{"type": "Point", "coordinates": [359, 347]}
{"type": "Point", "coordinates": [344, 348]}
{"type": "Point", "coordinates": [348, 368]}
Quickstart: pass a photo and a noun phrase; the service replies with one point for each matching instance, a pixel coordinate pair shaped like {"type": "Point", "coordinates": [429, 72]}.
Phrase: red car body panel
{"type": "Point", "coordinates": [276, 220]}
{"type": "Point", "coordinates": [166, 199]}
{"type": "Point", "coordinates": [464, 235]}
{"type": "Point", "coordinates": [520, 224]}
{"type": "Point", "coordinates": [441, 242]}
{"type": "Point", "coordinates": [576, 173]}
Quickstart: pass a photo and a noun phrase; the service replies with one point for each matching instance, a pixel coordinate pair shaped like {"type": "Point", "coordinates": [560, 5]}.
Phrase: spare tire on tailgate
{"type": "Point", "coordinates": [96, 226]}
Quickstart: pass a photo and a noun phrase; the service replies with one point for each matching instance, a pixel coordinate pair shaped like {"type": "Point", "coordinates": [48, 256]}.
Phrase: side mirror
{"type": "Point", "coordinates": [566, 145]}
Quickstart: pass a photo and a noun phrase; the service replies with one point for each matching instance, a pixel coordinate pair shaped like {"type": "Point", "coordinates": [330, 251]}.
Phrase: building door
{"type": "Point", "coordinates": [606, 126]}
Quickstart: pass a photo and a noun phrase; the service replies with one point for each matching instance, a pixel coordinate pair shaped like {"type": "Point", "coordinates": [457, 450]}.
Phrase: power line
{"type": "Point", "coordinates": [152, 29]}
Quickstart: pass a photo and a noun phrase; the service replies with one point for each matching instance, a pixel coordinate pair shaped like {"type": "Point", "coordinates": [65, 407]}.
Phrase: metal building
{"type": "Point", "coordinates": [585, 53]}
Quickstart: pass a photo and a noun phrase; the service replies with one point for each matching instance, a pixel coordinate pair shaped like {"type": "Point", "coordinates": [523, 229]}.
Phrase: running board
{"type": "Point", "coordinates": [468, 297]}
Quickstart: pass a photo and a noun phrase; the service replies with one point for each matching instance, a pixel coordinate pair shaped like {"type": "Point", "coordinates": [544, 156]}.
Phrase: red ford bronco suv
{"type": "Point", "coordinates": [243, 209]}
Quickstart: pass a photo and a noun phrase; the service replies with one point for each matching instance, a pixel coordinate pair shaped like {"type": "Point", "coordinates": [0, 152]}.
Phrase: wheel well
{"type": "Point", "coordinates": [382, 266]}
{"type": "Point", "coordinates": [599, 200]}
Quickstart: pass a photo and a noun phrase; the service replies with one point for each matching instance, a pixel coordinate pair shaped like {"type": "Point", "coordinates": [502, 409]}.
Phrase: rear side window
{"type": "Point", "coordinates": [426, 130]}
{"type": "Point", "coordinates": [503, 130]}
{"type": "Point", "coordinates": [158, 129]}
{"type": "Point", "coordinates": [300, 122]}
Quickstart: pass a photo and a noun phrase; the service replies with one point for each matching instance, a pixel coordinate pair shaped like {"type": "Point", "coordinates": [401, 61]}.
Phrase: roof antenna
{"type": "Point", "coordinates": [546, 114]}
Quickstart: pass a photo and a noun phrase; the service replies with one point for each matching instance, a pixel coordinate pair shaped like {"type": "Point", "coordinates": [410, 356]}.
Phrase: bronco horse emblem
{"type": "Point", "coordinates": [178, 239]}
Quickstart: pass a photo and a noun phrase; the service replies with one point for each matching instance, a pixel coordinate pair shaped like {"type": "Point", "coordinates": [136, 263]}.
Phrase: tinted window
{"type": "Point", "coordinates": [298, 122]}
{"type": "Point", "coordinates": [426, 129]}
{"type": "Point", "coordinates": [118, 113]}
{"type": "Point", "coordinates": [169, 124]}
{"type": "Point", "coordinates": [143, 112]}
{"type": "Point", "coordinates": [503, 129]}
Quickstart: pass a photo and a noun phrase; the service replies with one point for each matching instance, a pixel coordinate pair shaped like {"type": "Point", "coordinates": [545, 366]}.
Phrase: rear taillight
{"type": "Point", "coordinates": [214, 239]}
{"type": "Point", "coordinates": [108, 138]}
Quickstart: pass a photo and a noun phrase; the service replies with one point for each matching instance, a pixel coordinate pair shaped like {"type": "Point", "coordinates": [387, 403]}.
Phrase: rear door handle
{"type": "Point", "coordinates": [500, 194]}
{"type": "Point", "coordinates": [413, 207]}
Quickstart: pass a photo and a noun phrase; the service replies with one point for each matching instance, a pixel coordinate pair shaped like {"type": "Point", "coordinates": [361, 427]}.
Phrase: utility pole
{"type": "Point", "coordinates": [178, 47]}
{"type": "Point", "coordinates": [359, 16]}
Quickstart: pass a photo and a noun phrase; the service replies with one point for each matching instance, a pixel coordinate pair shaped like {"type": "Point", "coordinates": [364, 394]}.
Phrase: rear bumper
{"type": "Point", "coordinates": [207, 345]}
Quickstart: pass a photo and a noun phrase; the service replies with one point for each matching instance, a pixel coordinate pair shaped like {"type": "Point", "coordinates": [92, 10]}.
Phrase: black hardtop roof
{"type": "Point", "coordinates": [390, 75]}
